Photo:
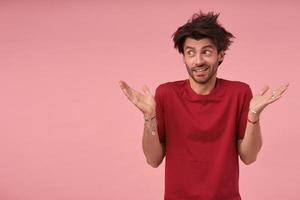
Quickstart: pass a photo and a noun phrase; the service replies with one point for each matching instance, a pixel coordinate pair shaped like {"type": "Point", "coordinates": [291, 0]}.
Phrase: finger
{"type": "Point", "coordinates": [277, 94]}
{"type": "Point", "coordinates": [274, 98]}
{"type": "Point", "coordinates": [126, 88]}
{"type": "Point", "coordinates": [282, 89]}
{"type": "Point", "coordinates": [144, 89]}
{"type": "Point", "coordinates": [264, 90]}
{"type": "Point", "coordinates": [123, 85]}
{"type": "Point", "coordinates": [126, 92]}
{"type": "Point", "coordinates": [148, 90]}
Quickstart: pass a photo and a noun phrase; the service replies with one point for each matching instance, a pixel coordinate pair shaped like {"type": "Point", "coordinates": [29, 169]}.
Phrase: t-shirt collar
{"type": "Point", "coordinates": [193, 96]}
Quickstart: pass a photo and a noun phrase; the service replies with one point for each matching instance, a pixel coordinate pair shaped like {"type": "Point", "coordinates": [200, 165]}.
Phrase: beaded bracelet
{"type": "Point", "coordinates": [253, 122]}
{"type": "Point", "coordinates": [149, 119]}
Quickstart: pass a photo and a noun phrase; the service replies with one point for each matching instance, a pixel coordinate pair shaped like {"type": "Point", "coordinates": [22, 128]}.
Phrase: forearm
{"type": "Point", "coordinates": [252, 141]}
{"type": "Point", "coordinates": [154, 151]}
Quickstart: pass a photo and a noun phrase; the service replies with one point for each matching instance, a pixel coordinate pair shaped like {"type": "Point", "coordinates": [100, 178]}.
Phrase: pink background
{"type": "Point", "coordinates": [67, 131]}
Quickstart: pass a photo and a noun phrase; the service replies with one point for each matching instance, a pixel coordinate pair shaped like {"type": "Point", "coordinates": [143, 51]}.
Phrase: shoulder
{"type": "Point", "coordinates": [238, 89]}
{"type": "Point", "coordinates": [237, 86]}
{"type": "Point", "coordinates": [168, 87]}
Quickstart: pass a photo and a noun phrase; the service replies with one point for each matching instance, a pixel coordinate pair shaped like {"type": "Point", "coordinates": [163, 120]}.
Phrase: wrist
{"type": "Point", "coordinates": [253, 116]}
{"type": "Point", "coordinates": [149, 115]}
{"type": "Point", "coordinates": [149, 119]}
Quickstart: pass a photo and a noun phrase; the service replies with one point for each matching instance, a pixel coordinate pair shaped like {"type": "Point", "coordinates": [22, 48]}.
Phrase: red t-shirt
{"type": "Point", "coordinates": [200, 133]}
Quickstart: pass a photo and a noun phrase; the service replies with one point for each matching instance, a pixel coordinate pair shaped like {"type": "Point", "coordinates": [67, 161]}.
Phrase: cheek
{"type": "Point", "coordinates": [212, 60]}
{"type": "Point", "coordinates": [189, 61]}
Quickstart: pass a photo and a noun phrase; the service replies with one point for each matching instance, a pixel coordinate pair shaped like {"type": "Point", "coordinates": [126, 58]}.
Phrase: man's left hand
{"type": "Point", "coordinates": [265, 97]}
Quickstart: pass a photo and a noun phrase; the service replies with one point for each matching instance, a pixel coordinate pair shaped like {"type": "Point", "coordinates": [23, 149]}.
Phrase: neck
{"type": "Point", "coordinates": [203, 89]}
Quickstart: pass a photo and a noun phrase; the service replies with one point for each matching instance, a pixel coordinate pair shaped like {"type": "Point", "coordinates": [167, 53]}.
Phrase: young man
{"type": "Point", "coordinates": [204, 123]}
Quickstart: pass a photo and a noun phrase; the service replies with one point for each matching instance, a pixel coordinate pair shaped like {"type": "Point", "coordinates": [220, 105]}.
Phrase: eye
{"type": "Point", "coordinates": [207, 52]}
{"type": "Point", "coordinates": [190, 53]}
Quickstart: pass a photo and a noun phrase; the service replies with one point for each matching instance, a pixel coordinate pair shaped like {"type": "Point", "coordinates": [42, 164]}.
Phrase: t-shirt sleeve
{"type": "Point", "coordinates": [160, 114]}
{"type": "Point", "coordinates": [247, 96]}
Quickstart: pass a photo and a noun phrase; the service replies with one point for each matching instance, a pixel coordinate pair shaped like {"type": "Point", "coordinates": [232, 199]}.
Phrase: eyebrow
{"type": "Point", "coordinates": [209, 45]}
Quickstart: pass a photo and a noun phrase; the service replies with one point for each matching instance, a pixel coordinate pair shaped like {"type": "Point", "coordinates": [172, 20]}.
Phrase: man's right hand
{"type": "Point", "coordinates": [145, 101]}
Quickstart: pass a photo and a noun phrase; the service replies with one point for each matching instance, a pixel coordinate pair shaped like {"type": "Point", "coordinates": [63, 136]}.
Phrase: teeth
{"type": "Point", "coordinates": [200, 70]}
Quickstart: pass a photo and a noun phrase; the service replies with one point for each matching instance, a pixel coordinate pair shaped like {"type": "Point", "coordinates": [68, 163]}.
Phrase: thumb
{"type": "Point", "coordinates": [263, 90]}
{"type": "Point", "coordinates": [148, 90]}
{"type": "Point", "coordinates": [144, 90]}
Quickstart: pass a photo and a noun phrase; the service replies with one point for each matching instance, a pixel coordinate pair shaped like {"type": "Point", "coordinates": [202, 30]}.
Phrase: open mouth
{"type": "Point", "coordinates": [201, 71]}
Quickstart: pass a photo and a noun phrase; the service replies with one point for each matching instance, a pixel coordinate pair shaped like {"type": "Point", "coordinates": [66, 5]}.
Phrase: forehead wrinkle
{"type": "Point", "coordinates": [206, 46]}
{"type": "Point", "coordinates": [204, 42]}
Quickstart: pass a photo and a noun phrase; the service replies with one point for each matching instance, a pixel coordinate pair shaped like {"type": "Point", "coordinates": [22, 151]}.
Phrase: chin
{"type": "Point", "coordinates": [201, 80]}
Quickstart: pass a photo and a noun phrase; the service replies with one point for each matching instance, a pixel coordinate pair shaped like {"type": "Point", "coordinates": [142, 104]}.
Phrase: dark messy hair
{"type": "Point", "coordinates": [203, 26]}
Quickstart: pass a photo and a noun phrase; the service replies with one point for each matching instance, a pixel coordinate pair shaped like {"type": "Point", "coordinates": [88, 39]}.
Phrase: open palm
{"type": "Point", "coordinates": [144, 100]}
{"type": "Point", "coordinates": [266, 96]}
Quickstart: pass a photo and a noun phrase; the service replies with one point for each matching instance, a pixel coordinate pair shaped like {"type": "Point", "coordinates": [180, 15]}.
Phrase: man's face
{"type": "Point", "coordinates": [202, 59]}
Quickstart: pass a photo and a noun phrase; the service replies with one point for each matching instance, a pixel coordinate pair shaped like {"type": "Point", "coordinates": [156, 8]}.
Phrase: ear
{"type": "Point", "coordinates": [221, 55]}
{"type": "Point", "coordinates": [183, 57]}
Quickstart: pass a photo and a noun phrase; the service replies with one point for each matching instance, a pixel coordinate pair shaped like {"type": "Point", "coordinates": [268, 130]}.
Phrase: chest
{"type": "Point", "coordinates": [201, 121]}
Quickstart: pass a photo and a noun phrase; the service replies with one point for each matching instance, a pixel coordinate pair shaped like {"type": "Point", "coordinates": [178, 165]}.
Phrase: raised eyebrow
{"type": "Point", "coordinates": [188, 47]}
{"type": "Point", "coordinates": [208, 46]}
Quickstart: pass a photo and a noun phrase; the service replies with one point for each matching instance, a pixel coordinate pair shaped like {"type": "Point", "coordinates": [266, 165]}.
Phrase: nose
{"type": "Point", "coordinates": [198, 60]}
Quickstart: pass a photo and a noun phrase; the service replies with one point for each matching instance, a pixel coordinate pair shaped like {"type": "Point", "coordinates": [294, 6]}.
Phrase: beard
{"type": "Point", "coordinates": [210, 71]}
